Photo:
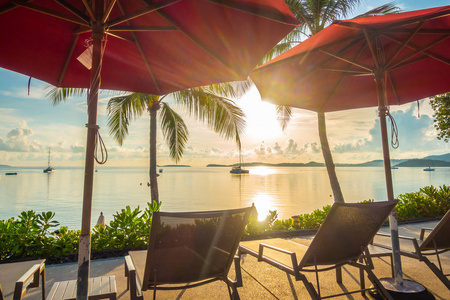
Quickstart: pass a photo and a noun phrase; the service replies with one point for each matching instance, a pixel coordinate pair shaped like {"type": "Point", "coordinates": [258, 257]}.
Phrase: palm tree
{"type": "Point", "coordinates": [204, 103]}
{"type": "Point", "coordinates": [314, 16]}
{"type": "Point", "coordinates": [208, 104]}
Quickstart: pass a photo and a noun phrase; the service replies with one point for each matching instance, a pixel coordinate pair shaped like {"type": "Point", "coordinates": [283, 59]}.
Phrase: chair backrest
{"type": "Point", "coordinates": [193, 246]}
{"type": "Point", "coordinates": [347, 229]}
{"type": "Point", "coordinates": [440, 235]}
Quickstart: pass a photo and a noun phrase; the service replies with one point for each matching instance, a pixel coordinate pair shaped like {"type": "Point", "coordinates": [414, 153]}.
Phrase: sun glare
{"type": "Point", "coordinates": [262, 123]}
{"type": "Point", "coordinates": [263, 203]}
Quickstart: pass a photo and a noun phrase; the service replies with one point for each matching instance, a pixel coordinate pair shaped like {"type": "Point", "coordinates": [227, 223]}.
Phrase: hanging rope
{"type": "Point", "coordinates": [394, 131]}
{"type": "Point", "coordinates": [418, 109]}
{"type": "Point", "coordinates": [102, 147]}
{"type": "Point", "coordinates": [99, 144]}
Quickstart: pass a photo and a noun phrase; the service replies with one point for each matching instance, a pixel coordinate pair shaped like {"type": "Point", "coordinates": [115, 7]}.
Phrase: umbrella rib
{"type": "Point", "coordinates": [338, 84]}
{"type": "Point", "coordinates": [197, 42]}
{"type": "Point", "coordinates": [69, 56]}
{"type": "Point", "coordinates": [393, 87]}
{"type": "Point", "coordinates": [347, 61]}
{"type": "Point", "coordinates": [402, 45]}
{"type": "Point", "coordinates": [422, 50]}
{"type": "Point", "coordinates": [7, 7]}
{"type": "Point", "coordinates": [151, 7]}
{"type": "Point", "coordinates": [273, 16]}
{"type": "Point", "coordinates": [143, 28]}
{"type": "Point", "coordinates": [141, 51]}
{"type": "Point", "coordinates": [121, 36]}
{"type": "Point", "coordinates": [89, 10]}
{"type": "Point", "coordinates": [108, 11]}
{"type": "Point", "coordinates": [52, 13]}
{"type": "Point", "coordinates": [72, 9]}
{"type": "Point", "coordinates": [369, 42]}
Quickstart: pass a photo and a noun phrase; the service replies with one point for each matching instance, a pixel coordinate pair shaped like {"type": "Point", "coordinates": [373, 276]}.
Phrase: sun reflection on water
{"type": "Point", "coordinates": [263, 203]}
{"type": "Point", "coordinates": [262, 171]}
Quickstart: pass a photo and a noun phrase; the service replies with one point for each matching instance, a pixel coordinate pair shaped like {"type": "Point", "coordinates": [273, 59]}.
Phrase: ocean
{"type": "Point", "coordinates": [289, 190]}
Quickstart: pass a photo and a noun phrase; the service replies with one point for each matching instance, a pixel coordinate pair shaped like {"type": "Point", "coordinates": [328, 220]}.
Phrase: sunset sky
{"type": "Point", "coordinates": [29, 124]}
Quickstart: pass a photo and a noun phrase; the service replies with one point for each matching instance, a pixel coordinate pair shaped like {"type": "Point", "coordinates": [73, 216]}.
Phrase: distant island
{"type": "Point", "coordinates": [175, 166]}
{"type": "Point", "coordinates": [5, 166]}
{"type": "Point", "coordinates": [429, 161]}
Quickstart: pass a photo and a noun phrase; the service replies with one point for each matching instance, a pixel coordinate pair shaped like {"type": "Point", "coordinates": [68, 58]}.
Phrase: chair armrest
{"type": "Point", "coordinates": [413, 240]}
{"type": "Point", "coordinates": [29, 279]}
{"type": "Point", "coordinates": [422, 233]}
{"type": "Point", "coordinates": [133, 283]}
{"type": "Point", "coordinates": [281, 266]}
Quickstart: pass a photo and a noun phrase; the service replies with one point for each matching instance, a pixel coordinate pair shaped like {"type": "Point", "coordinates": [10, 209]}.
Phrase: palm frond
{"type": "Point", "coordinates": [386, 9]}
{"type": "Point", "coordinates": [57, 95]}
{"type": "Point", "coordinates": [220, 113]}
{"type": "Point", "coordinates": [174, 130]}
{"type": "Point", "coordinates": [284, 114]}
{"type": "Point", "coordinates": [123, 109]}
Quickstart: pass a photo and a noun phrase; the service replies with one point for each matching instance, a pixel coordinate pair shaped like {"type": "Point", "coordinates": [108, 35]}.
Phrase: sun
{"type": "Point", "coordinates": [261, 117]}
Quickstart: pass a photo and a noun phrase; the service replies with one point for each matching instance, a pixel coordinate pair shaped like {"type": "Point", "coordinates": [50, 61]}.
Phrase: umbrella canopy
{"type": "Point", "coordinates": [155, 48]}
{"type": "Point", "coordinates": [151, 46]}
{"type": "Point", "coordinates": [376, 61]}
{"type": "Point", "coordinates": [334, 69]}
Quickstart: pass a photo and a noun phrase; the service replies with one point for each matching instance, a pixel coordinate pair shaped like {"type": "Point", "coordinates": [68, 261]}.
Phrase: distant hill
{"type": "Point", "coordinates": [423, 163]}
{"type": "Point", "coordinates": [174, 166]}
{"type": "Point", "coordinates": [261, 164]}
{"type": "Point", "coordinates": [5, 166]}
{"type": "Point", "coordinates": [444, 157]}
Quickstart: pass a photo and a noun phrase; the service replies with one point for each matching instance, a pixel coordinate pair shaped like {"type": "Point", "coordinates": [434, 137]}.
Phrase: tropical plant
{"type": "Point", "coordinates": [210, 104]}
{"type": "Point", "coordinates": [441, 107]}
{"type": "Point", "coordinates": [314, 16]}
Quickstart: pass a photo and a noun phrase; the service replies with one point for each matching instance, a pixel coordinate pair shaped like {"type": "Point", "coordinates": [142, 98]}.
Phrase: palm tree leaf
{"type": "Point", "coordinates": [57, 95]}
{"type": "Point", "coordinates": [284, 114]}
{"type": "Point", "coordinates": [174, 130]}
{"type": "Point", "coordinates": [220, 113]}
{"type": "Point", "coordinates": [123, 109]}
{"type": "Point", "coordinates": [386, 9]}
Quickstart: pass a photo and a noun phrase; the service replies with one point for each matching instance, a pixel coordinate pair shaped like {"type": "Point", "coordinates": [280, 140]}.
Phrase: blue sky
{"type": "Point", "coordinates": [29, 124]}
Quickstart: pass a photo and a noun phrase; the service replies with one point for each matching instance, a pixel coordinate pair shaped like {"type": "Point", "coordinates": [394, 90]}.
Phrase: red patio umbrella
{"type": "Point", "coordinates": [147, 46]}
{"type": "Point", "coordinates": [377, 61]}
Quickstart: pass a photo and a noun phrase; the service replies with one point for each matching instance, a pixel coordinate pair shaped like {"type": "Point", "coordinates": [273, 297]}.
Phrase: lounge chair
{"type": "Point", "coordinates": [341, 240]}
{"type": "Point", "coordinates": [16, 278]}
{"type": "Point", "coordinates": [187, 250]}
{"type": "Point", "coordinates": [436, 243]}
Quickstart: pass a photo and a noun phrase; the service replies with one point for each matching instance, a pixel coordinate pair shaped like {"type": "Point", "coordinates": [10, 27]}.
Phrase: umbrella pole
{"type": "Point", "coordinates": [84, 252]}
{"type": "Point", "coordinates": [396, 286]}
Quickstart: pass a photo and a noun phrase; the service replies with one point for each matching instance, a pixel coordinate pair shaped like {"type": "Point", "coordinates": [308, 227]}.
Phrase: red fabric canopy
{"type": "Point", "coordinates": [183, 44]}
{"type": "Point", "coordinates": [334, 69]}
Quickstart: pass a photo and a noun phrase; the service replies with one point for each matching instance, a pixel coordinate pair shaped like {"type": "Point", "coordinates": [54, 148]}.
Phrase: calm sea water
{"type": "Point", "coordinates": [288, 190]}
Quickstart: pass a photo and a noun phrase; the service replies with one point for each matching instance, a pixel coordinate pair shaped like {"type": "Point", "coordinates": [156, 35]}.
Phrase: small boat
{"type": "Point", "coordinates": [11, 173]}
{"type": "Point", "coordinates": [239, 170]}
{"type": "Point", "coordinates": [394, 168]}
{"type": "Point", "coordinates": [429, 169]}
{"type": "Point", "coordinates": [49, 169]}
{"type": "Point", "coordinates": [160, 170]}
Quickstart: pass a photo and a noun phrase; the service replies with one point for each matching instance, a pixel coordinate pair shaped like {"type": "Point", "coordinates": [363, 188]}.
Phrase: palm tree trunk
{"type": "Point", "coordinates": [335, 187]}
{"type": "Point", "coordinates": [152, 172]}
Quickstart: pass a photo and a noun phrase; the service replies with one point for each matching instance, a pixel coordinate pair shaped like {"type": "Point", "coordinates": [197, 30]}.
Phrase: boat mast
{"type": "Point", "coordinates": [49, 156]}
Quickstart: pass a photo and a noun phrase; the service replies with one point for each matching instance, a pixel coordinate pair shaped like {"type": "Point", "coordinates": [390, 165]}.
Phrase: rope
{"type": "Point", "coordinates": [394, 131]}
{"type": "Point", "coordinates": [29, 85]}
{"type": "Point", "coordinates": [99, 141]}
{"type": "Point", "coordinates": [418, 109]}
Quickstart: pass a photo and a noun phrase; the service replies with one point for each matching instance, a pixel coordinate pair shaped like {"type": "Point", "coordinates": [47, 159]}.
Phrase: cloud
{"type": "Point", "coordinates": [17, 140]}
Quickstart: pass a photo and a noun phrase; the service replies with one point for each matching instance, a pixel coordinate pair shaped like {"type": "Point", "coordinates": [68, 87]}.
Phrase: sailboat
{"type": "Point", "coordinates": [49, 169]}
{"type": "Point", "coordinates": [239, 169]}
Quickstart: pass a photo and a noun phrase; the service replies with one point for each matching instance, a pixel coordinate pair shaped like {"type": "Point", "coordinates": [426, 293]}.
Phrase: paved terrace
{"type": "Point", "coordinates": [262, 281]}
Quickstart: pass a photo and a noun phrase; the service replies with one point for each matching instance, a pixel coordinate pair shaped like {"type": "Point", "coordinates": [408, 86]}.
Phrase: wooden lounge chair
{"type": "Point", "coordinates": [187, 250]}
{"type": "Point", "coordinates": [16, 278]}
{"type": "Point", "coordinates": [341, 240]}
{"type": "Point", "coordinates": [436, 243]}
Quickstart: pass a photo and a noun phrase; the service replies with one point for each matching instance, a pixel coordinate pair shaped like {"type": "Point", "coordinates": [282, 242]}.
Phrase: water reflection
{"type": "Point", "coordinates": [263, 171]}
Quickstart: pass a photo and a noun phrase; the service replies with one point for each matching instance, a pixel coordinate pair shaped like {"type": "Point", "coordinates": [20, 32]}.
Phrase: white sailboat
{"type": "Point", "coordinates": [49, 169]}
{"type": "Point", "coordinates": [239, 169]}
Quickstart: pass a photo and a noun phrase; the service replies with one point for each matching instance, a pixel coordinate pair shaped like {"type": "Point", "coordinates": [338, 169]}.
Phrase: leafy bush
{"type": "Point", "coordinates": [427, 202]}
{"type": "Point", "coordinates": [31, 235]}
